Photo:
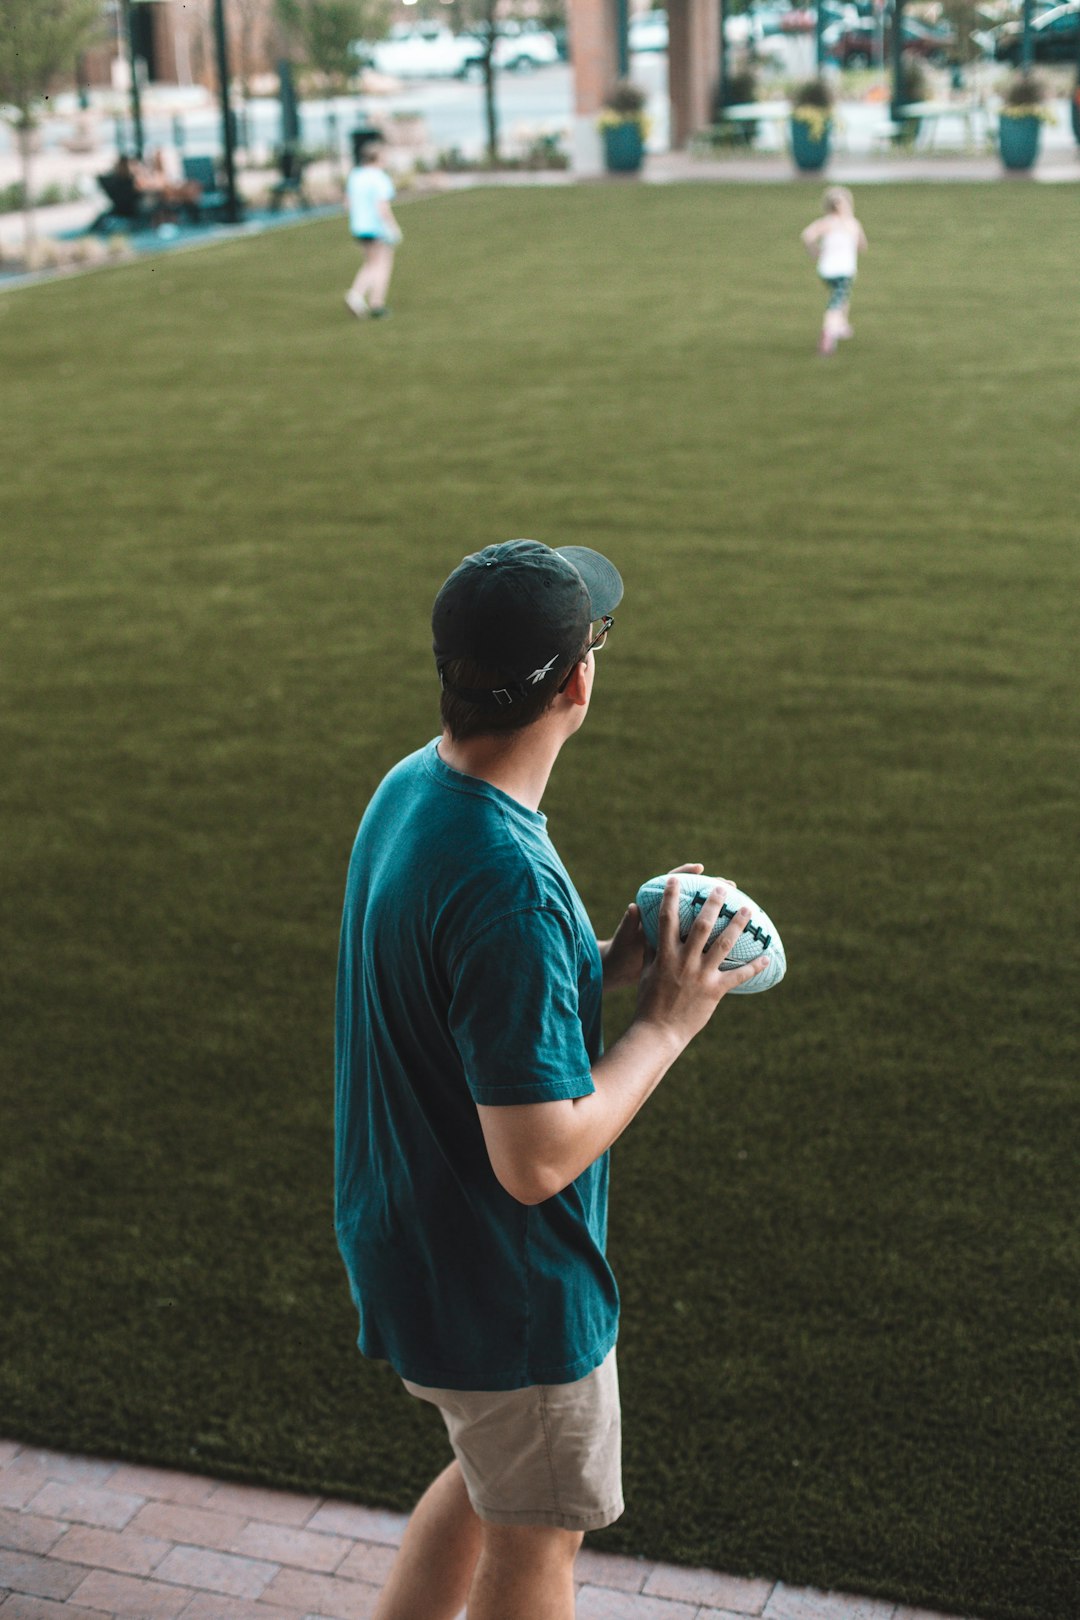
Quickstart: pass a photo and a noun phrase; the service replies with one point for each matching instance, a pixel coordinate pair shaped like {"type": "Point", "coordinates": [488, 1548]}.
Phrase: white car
{"type": "Point", "coordinates": [428, 51]}
{"type": "Point", "coordinates": [649, 32]}
{"type": "Point", "coordinates": [520, 48]}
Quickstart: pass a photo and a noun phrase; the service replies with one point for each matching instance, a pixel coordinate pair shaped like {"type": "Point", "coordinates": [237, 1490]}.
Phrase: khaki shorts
{"type": "Point", "coordinates": [550, 1454]}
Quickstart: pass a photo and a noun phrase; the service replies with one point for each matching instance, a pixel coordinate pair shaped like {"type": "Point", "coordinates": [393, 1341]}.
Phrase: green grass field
{"type": "Point", "coordinates": [844, 674]}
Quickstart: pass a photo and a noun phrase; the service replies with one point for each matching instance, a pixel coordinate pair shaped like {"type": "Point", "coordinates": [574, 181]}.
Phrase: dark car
{"type": "Point", "coordinates": [857, 47]}
{"type": "Point", "coordinates": [1053, 36]}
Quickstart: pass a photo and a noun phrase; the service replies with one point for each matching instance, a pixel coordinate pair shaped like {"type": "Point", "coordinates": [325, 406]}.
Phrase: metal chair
{"type": "Point", "coordinates": [129, 209]}
{"type": "Point", "coordinates": [212, 199]}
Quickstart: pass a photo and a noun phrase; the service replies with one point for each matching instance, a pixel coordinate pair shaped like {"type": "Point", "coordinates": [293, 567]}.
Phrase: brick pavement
{"type": "Point", "coordinates": [85, 1539]}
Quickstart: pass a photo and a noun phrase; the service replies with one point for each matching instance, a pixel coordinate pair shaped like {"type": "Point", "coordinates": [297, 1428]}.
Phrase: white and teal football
{"type": "Point", "coordinates": [758, 938]}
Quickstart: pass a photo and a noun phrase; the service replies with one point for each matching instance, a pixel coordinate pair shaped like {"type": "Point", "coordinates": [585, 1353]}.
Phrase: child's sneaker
{"type": "Point", "coordinates": [357, 304]}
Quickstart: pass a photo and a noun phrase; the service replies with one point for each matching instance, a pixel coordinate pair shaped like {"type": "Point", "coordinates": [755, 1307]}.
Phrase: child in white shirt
{"type": "Point", "coordinates": [835, 241]}
{"type": "Point", "coordinates": [369, 192]}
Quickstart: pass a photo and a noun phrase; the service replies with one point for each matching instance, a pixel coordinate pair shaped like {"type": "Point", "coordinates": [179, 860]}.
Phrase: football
{"type": "Point", "coordinates": [758, 938]}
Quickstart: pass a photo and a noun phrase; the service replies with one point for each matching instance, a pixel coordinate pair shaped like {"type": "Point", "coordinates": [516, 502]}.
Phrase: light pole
{"type": "Point", "coordinates": [898, 94]}
{"type": "Point", "coordinates": [133, 64]}
{"type": "Point", "coordinates": [622, 38]}
{"type": "Point", "coordinates": [1027, 40]}
{"type": "Point", "coordinates": [232, 202]}
{"type": "Point", "coordinates": [722, 65]}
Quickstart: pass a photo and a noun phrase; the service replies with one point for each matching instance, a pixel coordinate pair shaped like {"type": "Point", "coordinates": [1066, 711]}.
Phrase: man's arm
{"type": "Point", "coordinates": [537, 1149]}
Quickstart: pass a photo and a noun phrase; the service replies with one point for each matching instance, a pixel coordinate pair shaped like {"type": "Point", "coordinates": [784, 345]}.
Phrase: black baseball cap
{"type": "Point", "coordinates": [522, 611]}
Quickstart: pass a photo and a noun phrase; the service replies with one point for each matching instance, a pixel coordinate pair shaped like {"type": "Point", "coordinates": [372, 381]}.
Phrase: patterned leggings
{"type": "Point", "coordinates": [839, 290]}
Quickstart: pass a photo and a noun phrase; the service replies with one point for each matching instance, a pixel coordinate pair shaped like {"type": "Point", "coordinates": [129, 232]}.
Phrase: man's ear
{"type": "Point", "coordinates": [577, 687]}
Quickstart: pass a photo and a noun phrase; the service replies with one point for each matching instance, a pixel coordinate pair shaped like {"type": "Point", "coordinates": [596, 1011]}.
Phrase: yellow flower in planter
{"type": "Point", "coordinates": [624, 104]}
{"type": "Point", "coordinates": [1025, 97]}
{"type": "Point", "coordinates": [1033, 109]}
{"type": "Point", "coordinates": [812, 106]}
{"type": "Point", "coordinates": [816, 119]}
{"type": "Point", "coordinates": [609, 119]}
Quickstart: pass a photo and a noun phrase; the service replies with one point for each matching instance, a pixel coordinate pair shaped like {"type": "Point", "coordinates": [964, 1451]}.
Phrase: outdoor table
{"type": "Point", "coordinates": [930, 114]}
{"type": "Point", "coordinates": [758, 112]}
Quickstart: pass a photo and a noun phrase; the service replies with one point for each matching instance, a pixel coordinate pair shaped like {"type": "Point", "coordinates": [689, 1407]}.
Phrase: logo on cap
{"type": "Point", "coordinates": [538, 674]}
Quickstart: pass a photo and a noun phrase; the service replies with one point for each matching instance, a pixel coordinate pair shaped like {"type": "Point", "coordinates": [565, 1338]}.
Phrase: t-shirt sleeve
{"type": "Point", "coordinates": [386, 187]}
{"type": "Point", "coordinates": [514, 1011]}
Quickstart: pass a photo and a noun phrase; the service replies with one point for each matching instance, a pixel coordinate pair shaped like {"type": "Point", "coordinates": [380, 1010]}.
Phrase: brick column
{"type": "Point", "coordinates": [594, 57]}
{"type": "Point", "coordinates": [693, 65]}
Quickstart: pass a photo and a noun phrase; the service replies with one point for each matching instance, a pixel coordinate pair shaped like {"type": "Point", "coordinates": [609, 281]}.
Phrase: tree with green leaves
{"type": "Point", "coordinates": [481, 19]}
{"type": "Point", "coordinates": [323, 32]}
{"type": "Point", "coordinates": [484, 20]}
{"type": "Point", "coordinates": [39, 42]}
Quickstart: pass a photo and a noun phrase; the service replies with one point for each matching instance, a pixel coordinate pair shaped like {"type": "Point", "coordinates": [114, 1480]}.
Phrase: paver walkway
{"type": "Point", "coordinates": [84, 1539]}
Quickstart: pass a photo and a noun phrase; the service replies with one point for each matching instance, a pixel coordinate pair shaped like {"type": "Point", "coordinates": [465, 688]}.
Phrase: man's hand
{"type": "Point", "coordinates": [623, 955]}
{"type": "Point", "coordinates": [682, 985]}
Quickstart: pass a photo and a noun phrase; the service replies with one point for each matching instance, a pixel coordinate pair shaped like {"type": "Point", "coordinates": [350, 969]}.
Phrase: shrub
{"type": "Point", "coordinates": [814, 93]}
{"type": "Point", "coordinates": [626, 98]}
{"type": "Point", "coordinates": [1025, 91]}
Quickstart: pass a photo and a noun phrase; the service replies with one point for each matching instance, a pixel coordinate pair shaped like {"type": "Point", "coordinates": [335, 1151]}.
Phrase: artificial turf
{"type": "Point", "coordinates": [843, 675]}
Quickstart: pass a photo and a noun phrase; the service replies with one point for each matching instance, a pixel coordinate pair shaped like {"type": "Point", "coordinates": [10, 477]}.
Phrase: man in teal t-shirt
{"type": "Point", "coordinates": [474, 1103]}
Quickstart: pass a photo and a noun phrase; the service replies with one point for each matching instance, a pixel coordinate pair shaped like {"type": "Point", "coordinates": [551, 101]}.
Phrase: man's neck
{"type": "Point", "coordinates": [518, 764]}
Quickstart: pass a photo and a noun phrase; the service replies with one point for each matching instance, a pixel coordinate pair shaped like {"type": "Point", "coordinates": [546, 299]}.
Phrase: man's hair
{"type": "Point", "coordinates": [463, 719]}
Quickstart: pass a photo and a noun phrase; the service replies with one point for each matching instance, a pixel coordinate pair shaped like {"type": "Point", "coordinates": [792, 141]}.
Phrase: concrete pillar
{"type": "Point", "coordinates": [594, 56]}
{"type": "Point", "coordinates": [693, 65]}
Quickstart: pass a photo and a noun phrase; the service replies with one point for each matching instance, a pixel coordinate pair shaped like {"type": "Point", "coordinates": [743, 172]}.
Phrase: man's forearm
{"type": "Point", "coordinates": [625, 1077]}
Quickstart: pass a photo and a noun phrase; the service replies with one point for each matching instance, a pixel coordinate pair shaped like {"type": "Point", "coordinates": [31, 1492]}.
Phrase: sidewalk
{"type": "Point", "coordinates": [82, 1539]}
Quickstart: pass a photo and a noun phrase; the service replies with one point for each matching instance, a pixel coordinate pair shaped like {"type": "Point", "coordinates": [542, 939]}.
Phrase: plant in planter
{"type": "Point", "coordinates": [811, 124]}
{"type": "Point", "coordinates": [624, 124]}
{"type": "Point", "coordinates": [1023, 112]}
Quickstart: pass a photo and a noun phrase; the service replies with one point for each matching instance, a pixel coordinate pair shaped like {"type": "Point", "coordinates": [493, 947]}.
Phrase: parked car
{"type": "Point", "coordinates": [649, 32]}
{"type": "Point", "coordinates": [522, 48]}
{"type": "Point", "coordinates": [857, 47]}
{"type": "Point", "coordinates": [1053, 36]}
{"type": "Point", "coordinates": [424, 51]}
{"type": "Point", "coordinates": [766, 23]}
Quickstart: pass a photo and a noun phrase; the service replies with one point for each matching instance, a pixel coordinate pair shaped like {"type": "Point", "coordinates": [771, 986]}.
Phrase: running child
{"type": "Point", "coordinates": [835, 241]}
{"type": "Point", "coordinates": [369, 192]}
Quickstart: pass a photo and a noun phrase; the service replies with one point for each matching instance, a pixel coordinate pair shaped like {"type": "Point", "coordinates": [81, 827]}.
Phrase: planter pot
{"type": "Point", "coordinates": [624, 147]}
{"type": "Point", "coordinates": [810, 152]}
{"type": "Point", "coordinates": [1019, 138]}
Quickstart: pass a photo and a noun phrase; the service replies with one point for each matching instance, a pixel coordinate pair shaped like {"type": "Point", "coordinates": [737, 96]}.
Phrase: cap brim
{"type": "Point", "coordinates": [602, 579]}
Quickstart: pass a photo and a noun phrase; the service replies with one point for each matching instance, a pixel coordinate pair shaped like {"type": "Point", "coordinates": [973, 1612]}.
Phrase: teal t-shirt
{"type": "Point", "coordinates": [468, 973]}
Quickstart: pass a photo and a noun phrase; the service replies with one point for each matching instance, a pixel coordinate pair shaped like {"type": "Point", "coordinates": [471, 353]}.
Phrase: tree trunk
{"type": "Point", "coordinates": [489, 103]}
{"type": "Point", "coordinates": [26, 136]}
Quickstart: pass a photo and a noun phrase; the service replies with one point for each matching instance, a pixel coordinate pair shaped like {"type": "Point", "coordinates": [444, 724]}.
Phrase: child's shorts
{"type": "Point", "coordinates": [550, 1454]}
{"type": "Point", "coordinates": [839, 290]}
